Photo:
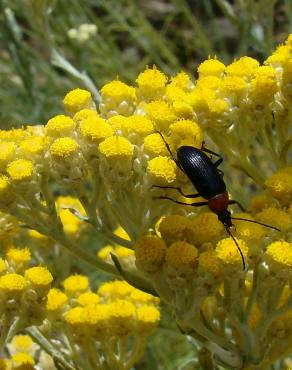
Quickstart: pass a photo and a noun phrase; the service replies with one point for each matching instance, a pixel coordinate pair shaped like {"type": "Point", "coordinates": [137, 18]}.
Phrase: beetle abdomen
{"type": "Point", "coordinates": [201, 171]}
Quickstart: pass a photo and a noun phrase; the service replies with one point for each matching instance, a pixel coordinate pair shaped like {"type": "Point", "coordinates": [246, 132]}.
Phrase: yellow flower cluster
{"type": "Point", "coordinates": [108, 159]}
{"type": "Point", "coordinates": [116, 319]}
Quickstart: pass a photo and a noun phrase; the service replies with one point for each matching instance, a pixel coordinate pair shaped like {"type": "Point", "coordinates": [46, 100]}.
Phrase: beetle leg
{"type": "Point", "coordinates": [178, 189]}
{"type": "Point", "coordinates": [238, 204]}
{"type": "Point", "coordinates": [169, 150]}
{"type": "Point", "coordinates": [196, 204]}
{"type": "Point", "coordinates": [217, 164]}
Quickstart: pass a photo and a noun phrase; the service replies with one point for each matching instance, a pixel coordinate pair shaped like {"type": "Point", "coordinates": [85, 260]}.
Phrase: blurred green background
{"type": "Point", "coordinates": [129, 34]}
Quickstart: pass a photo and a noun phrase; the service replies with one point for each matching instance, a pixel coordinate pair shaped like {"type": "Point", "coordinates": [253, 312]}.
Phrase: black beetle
{"type": "Point", "coordinates": [207, 178]}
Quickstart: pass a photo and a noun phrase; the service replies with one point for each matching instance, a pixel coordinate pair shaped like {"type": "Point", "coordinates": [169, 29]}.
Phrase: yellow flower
{"type": "Point", "coordinates": [137, 124]}
{"type": "Point", "coordinates": [121, 317]}
{"type": "Point", "coordinates": [151, 83]}
{"type": "Point", "coordinates": [161, 113]}
{"type": "Point", "coordinates": [88, 298]}
{"type": "Point", "coordinates": [116, 147]}
{"type": "Point", "coordinates": [104, 253]}
{"type": "Point", "coordinates": [22, 343]}
{"type": "Point", "coordinates": [13, 283]}
{"type": "Point", "coordinates": [274, 217]}
{"type": "Point", "coordinates": [84, 114]}
{"type": "Point", "coordinates": [7, 153]}
{"type": "Point", "coordinates": [234, 88]}
{"type": "Point", "coordinates": [181, 80]}
{"type": "Point", "coordinates": [227, 252]}
{"type": "Point", "coordinates": [186, 132]}
{"type": "Point", "coordinates": [155, 146]}
{"type": "Point", "coordinates": [280, 252]}
{"type": "Point", "coordinates": [263, 86]}
{"type": "Point", "coordinates": [22, 361]}
{"type": "Point", "coordinates": [76, 284]}
{"type": "Point", "coordinates": [77, 99]}
{"type": "Point", "coordinates": [18, 256]}
{"type": "Point", "coordinates": [280, 185]}
{"type": "Point", "coordinates": [174, 228]}
{"type": "Point", "coordinates": [39, 276]}
{"type": "Point", "coordinates": [205, 228]}
{"type": "Point", "coordinates": [63, 148]}
{"type": "Point", "coordinates": [163, 170]}
{"type": "Point", "coordinates": [115, 290]}
{"type": "Point", "coordinates": [208, 261]}
{"type": "Point", "coordinates": [20, 170]}
{"type": "Point", "coordinates": [56, 299]}
{"type": "Point", "coordinates": [211, 67]}
{"type": "Point", "coordinates": [117, 98]}
{"type": "Point", "coordinates": [7, 196]}
{"type": "Point", "coordinates": [147, 318]}
{"type": "Point", "coordinates": [244, 67]}
{"type": "Point", "coordinates": [181, 255]}
{"type": "Point", "coordinates": [60, 126]}
{"type": "Point", "coordinates": [246, 230]}
{"type": "Point", "coordinates": [150, 253]}
{"type": "Point", "coordinates": [95, 129]}
{"type": "Point", "coordinates": [32, 147]}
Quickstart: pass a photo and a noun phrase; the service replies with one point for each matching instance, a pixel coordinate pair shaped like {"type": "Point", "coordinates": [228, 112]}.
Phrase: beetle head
{"type": "Point", "coordinates": [225, 218]}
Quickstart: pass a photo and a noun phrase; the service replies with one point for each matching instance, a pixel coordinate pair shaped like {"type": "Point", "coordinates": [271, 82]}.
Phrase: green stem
{"type": "Point", "coordinates": [58, 358]}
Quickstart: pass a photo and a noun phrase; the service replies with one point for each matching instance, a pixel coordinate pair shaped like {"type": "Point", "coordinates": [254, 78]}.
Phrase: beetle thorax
{"type": "Point", "coordinates": [219, 203]}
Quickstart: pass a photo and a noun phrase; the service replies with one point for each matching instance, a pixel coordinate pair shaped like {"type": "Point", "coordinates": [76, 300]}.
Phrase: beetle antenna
{"type": "Point", "coordinates": [239, 250]}
{"type": "Point", "coordinates": [255, 222]}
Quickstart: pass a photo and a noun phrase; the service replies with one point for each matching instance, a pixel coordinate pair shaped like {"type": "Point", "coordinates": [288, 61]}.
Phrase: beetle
{"type": "Point", "coordinates": [208, 180]}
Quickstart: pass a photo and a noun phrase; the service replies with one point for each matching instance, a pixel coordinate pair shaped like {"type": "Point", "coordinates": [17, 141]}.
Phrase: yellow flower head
{"type": "Point", "coordinates": [174, 228]}
{"type": "Point", "coordinates": [147, 318]}
{"type": "Point", "coordinates": [95, 129]}
{"type": "Point", "coordinates": [20, 170]}
{"type": "Point", "coordinates": [211, 67]}
{"type": "Point", "coordinates": [7, 195]}
{"type": "Point", "coordinates": [123, 252]}
{"type": "Point", "coordinates": [137, 124]}
{"type": "Point", "coordinates": [246, 230]}
{"type": "Point", "coordinates": [208, 261]}
{"type": "Point", "coordinates": [161, 113]}
{"type": "Point", "coordinates": [116, 92]}
{"type": "Point", "coordinates": [244, 67]}
{"type": "Point", "coordinates": [88, 298]}
{"type": "Point", "coordinates": [227, 252]}
{"type": "Point", "coordinates": [280, 185]}
{"type": "Point", "coordinates": [151, 83]}
{"type": "Point", "coordinates": [76, 284]}
{"type": "Point", "coordinates": [155, 146]}
{"type": "Point", "coordinates": [150, 253]}
{"type": "Point", "coordinates": [200, 99]}
{"type": "Point", "coordinates": [56, 299]}
{"type": "Point", "coordinates": [174, 93]}
{"type": "Point", "coordinates": [181, 80]}
{"type": "Point", "coordinates": [186, 132]}
{"type": "Point", "coordinates": [182, 109]}
{"type": "Point", "coordinates": [181, 255]}
{"type": "Point", "coordinates": [121, 317]}
{"type": "Point", "coordinates": [7, 153]}
{"type": "Point", "coordinates": [205, 228]}
{"type": "Point", "coordinates": [116, 147]}
{"type": "Point", "coordinates": [22, 361]}
{"type": "Point", "coordinates": [33, 146]}
{"type": "Point", "coordinates": [22, 343]}
{"type": "Point", "coordinates": [71, 224]}
{"type": "Point", "coordinates": [138, 297]}
{"type": "Point", "coordinates": [280, 252]}
{"type": "Point", "coordinates": [12, 283]}
{"type": "Point", "coordinates": [209, 82]}
{"type": "Point", "coordinates": [77, 99]}
{"type": "Point", "coordinates": [18, 256]}
{"type": "Point", "coordinates": [60, 126]}
{"type": "Point", "coordinates": [116, 122]}
{"type": "Point", "coordinates": [263, 85]}
{"type": "Point", "coordinates": [261, 201]}
{"type": "Point", "coordinates": [39, 276]}
{"type": "Point", "coordinates": [75, 316]}
{"type": "Point", "coordinates": [97, 315]}
{"type": "Point", "coordinates": [115, 290]}
{"type": "Point", "coordinates": [234, 88]}
{"type": "Point", "coordinates": [279, 56]}
{"type": "Point", "coordinates": [63, 148]}
{"type": "Point", "coordinates": [275, 217]}
{"type": "Point", "coordinates": [84, 114]}
{"type": "Point", "coordinates": [163, 170]}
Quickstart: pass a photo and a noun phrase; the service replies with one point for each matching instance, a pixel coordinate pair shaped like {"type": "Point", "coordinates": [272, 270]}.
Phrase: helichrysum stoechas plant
{"type": "Point", "coordinates": [107, 155]}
